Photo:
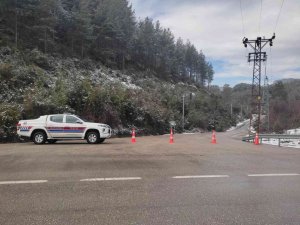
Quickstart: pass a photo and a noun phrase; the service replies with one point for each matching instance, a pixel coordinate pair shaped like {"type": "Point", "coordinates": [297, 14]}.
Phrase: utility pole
{"type": "Point", "coordinates": [191, 94]}
{"type": "Point", "coordinates": [257, 57]}
{"type": "Point", "coordinates": [242, 112]}
{"type": "Point", "coordinates": [183, 112]}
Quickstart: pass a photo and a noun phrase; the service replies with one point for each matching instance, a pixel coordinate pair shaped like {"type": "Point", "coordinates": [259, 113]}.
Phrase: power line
{"type": "Point", "coordinates": [242, 18]}
{"type": "Point", "coordinates": [271, 61]}
{"type": "Point", "coordinates": [243, 26]}
{"type": "Point", "coordinates": [259, 24]}
{"type": "Point", "coordinates": [278, 16]}
{"type": "Point", "coordinates": [266, 100]}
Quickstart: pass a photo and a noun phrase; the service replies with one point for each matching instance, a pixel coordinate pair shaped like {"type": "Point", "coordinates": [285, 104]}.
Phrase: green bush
{"type": "Point", "coordinates": [9, 116]}
{"type": "Point", "coordinates": [6, 72]}
{"type": "Point", "coordinates": [40, 59]}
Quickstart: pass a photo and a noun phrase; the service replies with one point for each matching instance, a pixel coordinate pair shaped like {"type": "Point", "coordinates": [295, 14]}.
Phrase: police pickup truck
{"type": "Point", "coordinates": [52, 128]}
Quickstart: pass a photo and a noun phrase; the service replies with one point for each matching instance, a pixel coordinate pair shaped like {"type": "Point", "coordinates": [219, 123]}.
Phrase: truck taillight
{"type": "Point", "coordinates": [18, 126]}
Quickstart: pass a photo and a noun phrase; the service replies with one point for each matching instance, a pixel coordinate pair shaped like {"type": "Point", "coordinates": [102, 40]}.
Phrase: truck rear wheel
{"type": "Point", "coordinates": [39, 137]}
{"type": "Point", "coordinates": [92, 137]}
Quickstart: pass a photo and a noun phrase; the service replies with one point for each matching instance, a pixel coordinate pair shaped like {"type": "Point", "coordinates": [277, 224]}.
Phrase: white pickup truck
{"type": "Point", "coordinates": [52, 128]}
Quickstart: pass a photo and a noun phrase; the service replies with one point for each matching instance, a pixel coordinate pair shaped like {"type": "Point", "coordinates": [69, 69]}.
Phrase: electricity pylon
{"type": "Point", "coordinates": [257, 57]}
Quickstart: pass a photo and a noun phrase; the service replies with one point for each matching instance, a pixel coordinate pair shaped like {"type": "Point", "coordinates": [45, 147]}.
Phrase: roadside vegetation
{"type": "Point", "coordinates": [36, 84]}
{"type": "Point", "coordinates": [93, 58]}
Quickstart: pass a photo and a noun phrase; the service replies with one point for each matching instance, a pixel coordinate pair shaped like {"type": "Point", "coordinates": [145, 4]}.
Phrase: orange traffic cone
{"type": "Point", "coordinates": [171, 137]}
{"type": "Point", "coordinates": [256, 140]}
{"type": "Point", "coordinates": [213, 138]}
{"type": "Point", "coordinates": [133, 136]}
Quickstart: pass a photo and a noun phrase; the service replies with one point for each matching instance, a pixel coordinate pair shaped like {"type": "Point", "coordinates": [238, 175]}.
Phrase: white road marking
{"type": "Point", "coordinates": [124, 178]}
{"type": "Point", "coordinates": [200, 176]}
{"type": "Point", "coordinates": [24, 182]}
{"type": "Point", "coordinates": [112, 178]}
{"type": "Point", "coordinates": [273, 175]}
{"type": "Point", "coordinates": [93, 179]}
{"type": "Point", "coordinates": [139, 178]}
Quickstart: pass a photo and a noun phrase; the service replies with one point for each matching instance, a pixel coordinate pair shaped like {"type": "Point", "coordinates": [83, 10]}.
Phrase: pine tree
{"type": "Point", "coordinates": [144, 43]}
{"type": "Point", "coordinates": [191, 60]}
{"type": "Point", "coordinates": [47, 13]}
{"type": "Point", "coordinates": [15, 19]}
{"type": "Point", "coordinates": [210, 73]}
{"type": "Point", "coordinates": [179, 64]}
{"type": "Point", "coordinates": [166, 51]}
{"type": "Point", "coordinates": [202, 68]}
{"type": "Point", "coordinates": [113, 25]}
{"type": "Point", "coordinates": [104, 30]}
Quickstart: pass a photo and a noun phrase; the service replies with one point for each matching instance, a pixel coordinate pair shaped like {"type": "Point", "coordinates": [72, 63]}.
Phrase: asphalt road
{"type": "Point", "coordinates": [150, 182]}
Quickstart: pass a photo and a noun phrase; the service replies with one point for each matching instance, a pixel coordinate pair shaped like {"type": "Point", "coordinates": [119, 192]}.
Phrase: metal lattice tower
{"type": "Point", "coordinates": [257, 57]}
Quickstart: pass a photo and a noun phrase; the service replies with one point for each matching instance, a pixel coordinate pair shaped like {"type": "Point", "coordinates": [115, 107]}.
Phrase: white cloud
{"type": "Point", "coordinates": [216, 28]}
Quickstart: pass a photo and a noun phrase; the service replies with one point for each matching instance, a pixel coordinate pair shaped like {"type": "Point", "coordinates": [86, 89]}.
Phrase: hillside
{"type": "Point", "coordinates": [94, 58]}
{"type": "Point", "coordinates": [105, 31]}
{"type": "Point", "coordinates": [284, 104]}
{"type": "Point", "coordinates": [33, 84]}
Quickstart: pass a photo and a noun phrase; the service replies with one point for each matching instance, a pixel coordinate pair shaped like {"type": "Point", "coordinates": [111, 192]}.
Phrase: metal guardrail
{"type": "Point", "coordinates": [274, 136]}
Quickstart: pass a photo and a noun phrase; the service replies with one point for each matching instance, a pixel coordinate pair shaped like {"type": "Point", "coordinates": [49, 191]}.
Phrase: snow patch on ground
{"type": "Point", "coordinates": [292, 143]}
{"type": "Point", "coordinates": [113, 77]}
{"type": "Point", "coordinates": [240, 124]}
{"type": "Point", "coordinates": [293, 131]}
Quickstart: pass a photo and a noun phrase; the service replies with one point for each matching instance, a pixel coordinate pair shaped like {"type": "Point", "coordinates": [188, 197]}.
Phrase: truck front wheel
{"type": "Point", "coordinates": [92, 137]}
{"type": "Point", "coordinates": [39, 137]}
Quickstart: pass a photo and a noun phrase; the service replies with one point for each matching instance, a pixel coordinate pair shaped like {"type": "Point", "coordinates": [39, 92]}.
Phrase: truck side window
{"type": "Point", "coordinates": [71, 119]}
{"type": "Point", "coordinates": [57, 119]}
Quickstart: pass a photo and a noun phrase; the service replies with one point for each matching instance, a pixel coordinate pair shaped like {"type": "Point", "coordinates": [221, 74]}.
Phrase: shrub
{"type": "Point", "coordinates": [6, 71]}
{"type": "Point", "coordinates": [9, 116]}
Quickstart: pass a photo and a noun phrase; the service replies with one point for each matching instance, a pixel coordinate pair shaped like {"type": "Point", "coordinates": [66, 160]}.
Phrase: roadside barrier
{"type": "Point", "coordinates": [280, 137]}
{"type": "Point", "coordinates": [213, 138]}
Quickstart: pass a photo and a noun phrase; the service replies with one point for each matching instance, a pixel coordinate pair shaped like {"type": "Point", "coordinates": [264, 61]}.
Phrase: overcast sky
{"type": "Point", "coordinates": [216, 28]}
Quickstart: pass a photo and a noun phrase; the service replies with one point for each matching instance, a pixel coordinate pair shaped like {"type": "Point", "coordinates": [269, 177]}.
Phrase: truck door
{"type": "Point", "coordinates": [74, 127]}
{"type": "Point", "coordinates": [55, 126]}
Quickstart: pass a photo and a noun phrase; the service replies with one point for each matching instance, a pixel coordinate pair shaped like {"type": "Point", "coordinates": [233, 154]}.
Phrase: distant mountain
{"type": "Point", "coordinates": [284, 103]}
{"type": "Point", "coordinates": [288, 80]}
